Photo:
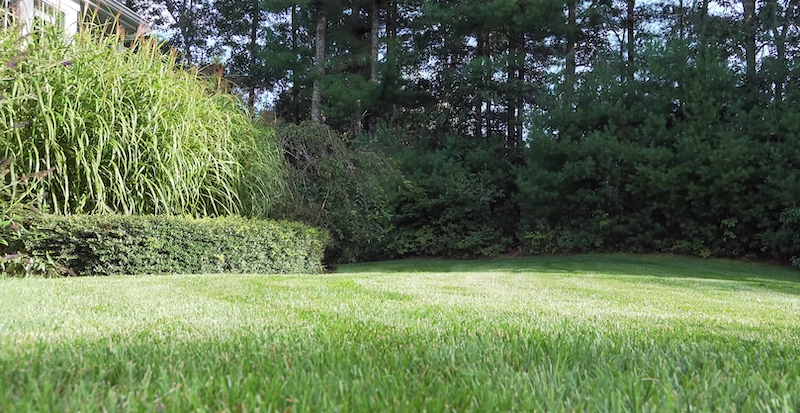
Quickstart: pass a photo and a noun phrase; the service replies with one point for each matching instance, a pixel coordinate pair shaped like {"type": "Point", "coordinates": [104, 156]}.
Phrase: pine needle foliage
{"type": "Point", "coordinates": [128, 130]}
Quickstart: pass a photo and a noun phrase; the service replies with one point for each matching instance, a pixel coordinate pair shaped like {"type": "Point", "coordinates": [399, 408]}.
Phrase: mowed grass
{"type": "Point", "coordinates": [589, 333]}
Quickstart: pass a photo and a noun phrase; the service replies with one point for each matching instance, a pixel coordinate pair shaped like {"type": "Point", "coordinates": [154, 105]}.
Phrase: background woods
{"type": "Point", "coordinates": [480, 127]}
{"type": "Point", "coordinates": [546, 125]}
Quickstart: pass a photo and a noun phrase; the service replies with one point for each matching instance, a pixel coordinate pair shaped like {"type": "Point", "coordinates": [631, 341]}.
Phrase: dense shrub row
{"type": "Point", "coordinates": [698, 169]}
{"type": "Point", "coordinates": [453, 201]}
{"type": "Point", "coordinates": [116, 244]}
{"type": "Point", "coordinates": [701, 169]}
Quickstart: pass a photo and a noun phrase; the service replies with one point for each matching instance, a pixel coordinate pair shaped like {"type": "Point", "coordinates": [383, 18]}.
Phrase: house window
{"type": "Point", "coordinates": [50, 13]}
{"type": "Point", "coordinates": [5, 13]}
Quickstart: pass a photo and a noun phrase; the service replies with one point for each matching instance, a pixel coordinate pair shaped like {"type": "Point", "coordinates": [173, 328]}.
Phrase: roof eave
{"type": "Point", "coordinates": [127, 17]}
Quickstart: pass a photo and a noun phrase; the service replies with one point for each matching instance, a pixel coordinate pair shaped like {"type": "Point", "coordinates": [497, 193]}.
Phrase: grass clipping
{"type": "Point", "coordinates": [127, 130]}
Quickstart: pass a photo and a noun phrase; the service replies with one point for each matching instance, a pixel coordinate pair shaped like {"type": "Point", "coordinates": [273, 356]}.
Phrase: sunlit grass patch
{"type": "Point", "coordinates": [593, 333]}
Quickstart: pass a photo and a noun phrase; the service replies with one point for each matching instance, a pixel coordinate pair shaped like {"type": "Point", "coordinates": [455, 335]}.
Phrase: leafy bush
{"type": "Point", "coordinates": [129, 131]}
{"type": "Point", "coordinates": [117, 244]}
{"type": "Point", "coordinates": [545, 240]}
{"type": "Point", "coordinates": [454, 202]}
{"type": "Point", "coordinates": [788, 236]}
{"type": "Point", "coordinates": [333, 186]}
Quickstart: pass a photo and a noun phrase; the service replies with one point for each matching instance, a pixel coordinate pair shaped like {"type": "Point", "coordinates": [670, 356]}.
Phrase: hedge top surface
{"type": "Point", "coordinates": [122, 244]}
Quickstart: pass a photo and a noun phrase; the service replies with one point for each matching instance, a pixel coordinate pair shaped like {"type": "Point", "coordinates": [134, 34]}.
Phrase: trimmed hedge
{"type": "Point", "coordinates": [116, 244]}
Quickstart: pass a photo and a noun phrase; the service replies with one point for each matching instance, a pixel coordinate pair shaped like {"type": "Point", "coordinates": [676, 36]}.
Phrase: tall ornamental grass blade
{"type": "Point", "coordinates": [128, 130]}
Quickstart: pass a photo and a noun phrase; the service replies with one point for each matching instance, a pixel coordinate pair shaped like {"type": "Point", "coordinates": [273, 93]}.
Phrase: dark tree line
{"type": "Point", "coordinates": [538, 125]}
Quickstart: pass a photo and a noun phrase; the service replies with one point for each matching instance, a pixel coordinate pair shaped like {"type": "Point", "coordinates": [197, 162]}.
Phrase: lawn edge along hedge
{"type": "Point", "coordinates": [146, 244]}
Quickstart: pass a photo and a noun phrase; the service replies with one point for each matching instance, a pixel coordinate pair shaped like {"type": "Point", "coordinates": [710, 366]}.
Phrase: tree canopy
{"type": "Point", "coordinates": [541, 125]}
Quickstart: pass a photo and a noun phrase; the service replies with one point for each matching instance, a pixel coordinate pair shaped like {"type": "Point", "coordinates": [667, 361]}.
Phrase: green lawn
{"type": "Point", "coordinates": [587, 333]}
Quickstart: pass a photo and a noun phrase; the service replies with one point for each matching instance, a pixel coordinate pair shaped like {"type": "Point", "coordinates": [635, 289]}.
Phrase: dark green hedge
{"type": "Point", "coordinates": [114, 244]}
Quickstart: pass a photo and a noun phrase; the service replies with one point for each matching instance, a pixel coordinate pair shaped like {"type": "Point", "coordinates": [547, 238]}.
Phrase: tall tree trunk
{"type": "Point", "coordinates": [480, 52]}
{"type": "Point", "coordinates": [374, 23]}
{"type": "Point", "coordinates": [488, 114]}
{"type": "Point", "coordinates": [295, 86]}
{"type": "Point", "coordinates": [511, 94]}
{"type": "Point", "coordinates": [453, 47]}
{"type": "Point", "coordinates": [750, 40]}
{"type": "Point", "coordinates": [521, 93]}
{"type": "Point", "coordinates": [391, 69]}
{"type": "Point", "coordinates": [316, 94]}
{"type": "Point", "coordinates": [630, 24]}
{"type": "Point", "coordinates": [391, 19]}
{"type": "Point", "coordinates": [256, 19]}
{"type": "Point", "coordinates": [516, 76]}
{"type": "Point", "coordinates": [703, 29]}
{"type": "Point", "coordinates": [178, 11]}
{"type": "Point", "coordinates": [356, 118]}
{"type": "Point", "coordinates": [572, 35]}
{"type": "Point", "coordinates": [780, 44]}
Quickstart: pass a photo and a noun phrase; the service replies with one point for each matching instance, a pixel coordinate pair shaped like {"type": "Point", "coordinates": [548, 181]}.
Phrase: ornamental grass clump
{"type": "Point", "coordinates": [128, 130]}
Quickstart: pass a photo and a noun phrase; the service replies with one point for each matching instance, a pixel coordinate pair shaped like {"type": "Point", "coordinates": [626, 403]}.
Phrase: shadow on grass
{"type": "Point", "coordinates": [353, 365]}
{"type": "Point", "coordinates": [754, 275]}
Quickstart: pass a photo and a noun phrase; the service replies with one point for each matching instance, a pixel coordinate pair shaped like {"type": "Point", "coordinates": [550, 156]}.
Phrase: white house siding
{"type": "Point", "coordinates": [67, 13]}
{"type": "Point", "coordinates": [27, 10]}
{"type": "Point", "coordinates": [71, 10]}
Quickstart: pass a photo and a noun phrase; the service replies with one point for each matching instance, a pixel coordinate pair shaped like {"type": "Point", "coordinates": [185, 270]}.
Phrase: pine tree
{"type": "Point", "coordinates": [189, 25]}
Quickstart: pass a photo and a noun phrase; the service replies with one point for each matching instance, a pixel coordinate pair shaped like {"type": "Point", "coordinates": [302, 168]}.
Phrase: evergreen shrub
{"type": "Point", "coordinates": [651, 167]}
{"type": "Point", "coordinates": [788, 236]}
{"type": "Point", "coordinates": [454, 201]}
{"type": "Point", "coordinates": [117, 244]}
